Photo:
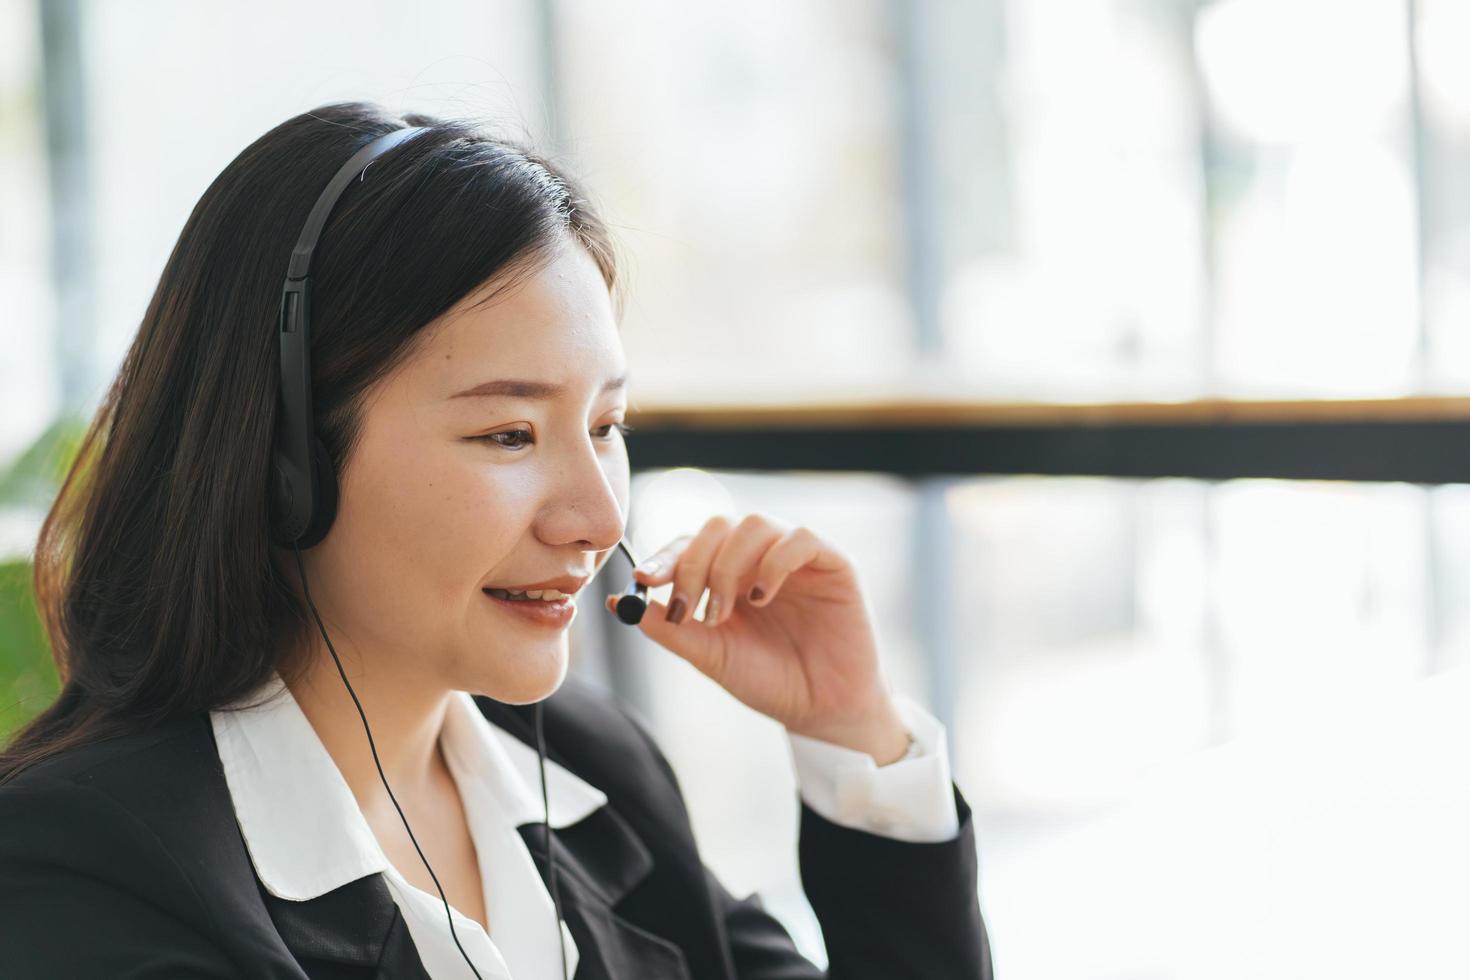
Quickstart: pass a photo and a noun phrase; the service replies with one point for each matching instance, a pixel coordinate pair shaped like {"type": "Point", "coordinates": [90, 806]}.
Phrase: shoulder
{"type": "Point", "coordinates": [147, 773]}
{"type": "Point", "coordinates": [131, 812]}
{"type": "Point", "coordinates": [114, 837]}
{"type": "Point", "coordinates": [85, 763]}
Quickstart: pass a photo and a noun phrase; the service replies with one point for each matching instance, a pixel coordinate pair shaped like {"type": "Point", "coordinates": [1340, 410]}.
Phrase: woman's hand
{"type": "Point", "coordinates": [803, 653]}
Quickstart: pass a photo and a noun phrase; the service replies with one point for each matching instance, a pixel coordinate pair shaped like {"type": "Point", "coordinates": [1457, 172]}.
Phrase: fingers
{"type": "Point", "coordinates": [795, 548]}
{"type": "Point", "coordinates": [730, 561]}
{"type": "Point", "coordinates": [735, 564]}
{"type": "Point", "coordinates": [720, 558]}
{"type": "Point", "coordinates": [691, 571]}
{"type": "Point", "coordinates": [658, 568]}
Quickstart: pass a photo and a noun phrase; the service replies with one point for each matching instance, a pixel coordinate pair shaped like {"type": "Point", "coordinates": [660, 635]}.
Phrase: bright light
{"type": "Point", "coordinates": [1280, 70]}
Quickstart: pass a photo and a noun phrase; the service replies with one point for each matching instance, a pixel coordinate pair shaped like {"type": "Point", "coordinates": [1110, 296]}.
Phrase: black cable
{"type": "Point", "coordinates": [301, 567]}
{"type": "Point", "coordinates": [546, 839]}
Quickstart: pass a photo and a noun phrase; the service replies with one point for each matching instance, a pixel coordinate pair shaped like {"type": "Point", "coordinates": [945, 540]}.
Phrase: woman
{"type": "Point", "coordinates": [317, 760]}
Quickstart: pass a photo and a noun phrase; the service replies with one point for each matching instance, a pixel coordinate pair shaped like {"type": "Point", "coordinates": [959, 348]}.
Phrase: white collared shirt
{"type": "Point", "coordinates": [271, 754]}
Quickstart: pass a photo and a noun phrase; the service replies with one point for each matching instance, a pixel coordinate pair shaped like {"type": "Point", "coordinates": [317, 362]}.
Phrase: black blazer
{"type": "Point", "coordinates": [123, 859]}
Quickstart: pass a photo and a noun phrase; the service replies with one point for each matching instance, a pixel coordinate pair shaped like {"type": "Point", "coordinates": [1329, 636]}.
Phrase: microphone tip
{"type": "Point", "coordinates": [630, 609]}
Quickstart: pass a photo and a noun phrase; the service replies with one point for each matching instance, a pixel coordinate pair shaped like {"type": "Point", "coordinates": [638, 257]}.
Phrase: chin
{"type": "Point", "coordinates": [527, 687]}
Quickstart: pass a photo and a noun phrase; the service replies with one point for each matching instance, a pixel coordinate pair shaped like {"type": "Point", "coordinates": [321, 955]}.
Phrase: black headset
{"type": "Point", "coordinates": [304, 487]}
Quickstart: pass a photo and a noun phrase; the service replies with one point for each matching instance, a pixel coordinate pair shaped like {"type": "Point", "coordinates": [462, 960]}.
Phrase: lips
{"type": "Point", "coordinates": [557, 613]}
{"type": "Point", "coordinates": [570, 584]}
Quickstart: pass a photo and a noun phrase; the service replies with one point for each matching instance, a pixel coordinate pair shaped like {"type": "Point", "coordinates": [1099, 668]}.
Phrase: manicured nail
{"type": "Point", "coordinates": [756, 595]}
{"type": "Point", "coordinates": [650, 567]}
{"type": "Point", "coordinates": [676, 611]}
{"type": "Point", "coordinates": [712, 611]}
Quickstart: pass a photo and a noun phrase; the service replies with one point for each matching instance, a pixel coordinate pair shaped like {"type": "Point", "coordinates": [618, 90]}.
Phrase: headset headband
{"type": "Point", "coordinates": [302, 498]}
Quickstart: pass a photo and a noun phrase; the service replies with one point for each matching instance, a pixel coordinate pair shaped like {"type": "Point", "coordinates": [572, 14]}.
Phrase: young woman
{"type": "Point", "coordinates": [317, 759]}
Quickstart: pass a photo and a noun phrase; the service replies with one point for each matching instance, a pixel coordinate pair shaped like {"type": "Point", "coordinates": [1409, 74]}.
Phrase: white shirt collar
{"type": "Point", "coordinates": [302, 826]}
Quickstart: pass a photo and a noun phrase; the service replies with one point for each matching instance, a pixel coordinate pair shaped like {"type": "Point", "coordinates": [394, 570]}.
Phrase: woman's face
{"type": "Point", "coordinates": [449, 493]}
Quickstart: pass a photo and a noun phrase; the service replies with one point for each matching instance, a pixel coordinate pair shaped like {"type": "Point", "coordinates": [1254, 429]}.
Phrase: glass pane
{"type": "Point", "coordinates": [1212, 773]}
{"type": "Point", "coordinates": [1066, 137]}
{"type": "Point", "coordinates": [451, 57]}
{"type": "Point", "coordinates": [28, 382]}
{"type": "Point", "coordinates": [748, 159]}
{"type": "Point", "coordinates": [1442, 35]}
{"type": "Point", "coordinates": [1313, 185]}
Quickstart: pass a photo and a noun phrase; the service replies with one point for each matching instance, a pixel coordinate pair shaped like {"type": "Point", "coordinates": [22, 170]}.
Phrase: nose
{"type": "Point", "coordinates": [591, 507]}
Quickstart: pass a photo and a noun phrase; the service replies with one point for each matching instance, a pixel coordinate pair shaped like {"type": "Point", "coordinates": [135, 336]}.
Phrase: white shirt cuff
{"type": "Point", "coordinates": [911, 799]}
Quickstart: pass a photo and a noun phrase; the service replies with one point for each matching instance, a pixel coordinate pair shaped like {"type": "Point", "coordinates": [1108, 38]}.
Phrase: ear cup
{"type": "Point", "coordinates": [325, 510]}
{"type": "Point", "coordinates": [280, 500]}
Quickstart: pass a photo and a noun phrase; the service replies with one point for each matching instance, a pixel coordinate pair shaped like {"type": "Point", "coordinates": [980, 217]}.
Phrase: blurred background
{"type": "Point", "coordinates": [1122, 342]}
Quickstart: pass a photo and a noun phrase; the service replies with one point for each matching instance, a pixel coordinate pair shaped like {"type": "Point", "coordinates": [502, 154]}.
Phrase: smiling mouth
{"type": "Point", "coordinates": [555, 613]}
{"type": "Point", "coordinates": [535, 595]}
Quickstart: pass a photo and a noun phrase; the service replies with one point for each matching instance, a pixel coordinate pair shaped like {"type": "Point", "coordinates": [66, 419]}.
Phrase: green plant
{"type": "Point", "coordinates": [27, 676]}
{"type": "Point", "coordinates": [28, 680]}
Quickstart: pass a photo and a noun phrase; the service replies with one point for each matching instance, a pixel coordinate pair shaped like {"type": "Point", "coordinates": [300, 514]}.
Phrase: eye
{"type": "Point", "coordinates": [495, 437]}
{"type": "Point", "coordinates": [523, 436]}
{"type": "Point", "coordinates": [624, 429]}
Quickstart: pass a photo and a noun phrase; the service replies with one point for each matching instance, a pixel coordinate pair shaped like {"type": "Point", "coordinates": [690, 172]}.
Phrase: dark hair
{"type": "Point", "coordinates": [154, 570]}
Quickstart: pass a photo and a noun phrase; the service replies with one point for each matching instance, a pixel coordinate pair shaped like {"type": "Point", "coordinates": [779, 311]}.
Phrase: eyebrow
{"type": "Point", "coordinates": [517, 388]}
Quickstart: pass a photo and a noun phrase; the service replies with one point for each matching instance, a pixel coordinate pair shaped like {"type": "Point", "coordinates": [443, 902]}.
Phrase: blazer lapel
{"type": "Point", "coordinates": [599, 860]}
{"type": "Point", "coordinates": [357, 925]}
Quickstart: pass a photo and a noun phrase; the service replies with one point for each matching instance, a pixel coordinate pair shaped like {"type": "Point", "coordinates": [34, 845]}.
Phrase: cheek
{"type": "Point", "coordinates": [439, 514]}
{"type": "Point", "coordinates": [451, 518]}
{"type": "Point", "coordinates": [417, 505]}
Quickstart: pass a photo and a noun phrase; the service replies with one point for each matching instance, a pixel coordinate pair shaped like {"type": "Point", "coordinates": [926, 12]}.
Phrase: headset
{"type": "Point", "coordinates": [304, 488]}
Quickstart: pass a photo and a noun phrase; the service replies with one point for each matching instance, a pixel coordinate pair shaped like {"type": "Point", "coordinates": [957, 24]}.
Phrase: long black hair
{"type": "Point", "coordinates": [157, 582]}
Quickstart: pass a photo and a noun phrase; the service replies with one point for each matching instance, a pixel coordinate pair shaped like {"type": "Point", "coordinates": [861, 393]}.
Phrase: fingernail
{"type": "Point", "coordinates": [756, 595]}
{"type": "Point", "coordinates": [676, 611]}
{"type": "Point", "coordinates": [650, 567]}
{"type": "Point", "coordinates": [712, 611]}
